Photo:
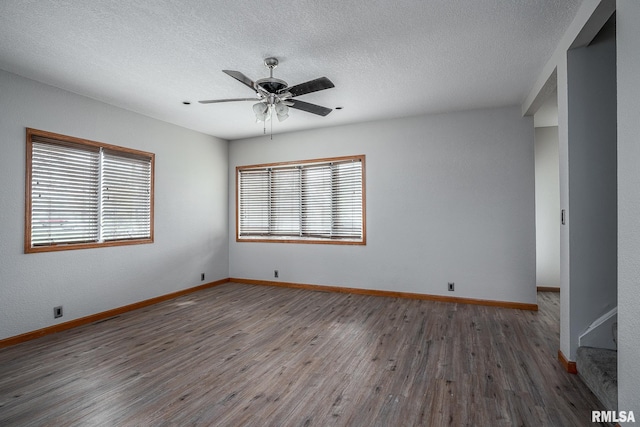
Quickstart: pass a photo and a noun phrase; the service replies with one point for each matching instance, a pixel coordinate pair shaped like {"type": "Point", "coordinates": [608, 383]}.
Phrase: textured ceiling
{"type": "Point", "coordinates": [386, 58]}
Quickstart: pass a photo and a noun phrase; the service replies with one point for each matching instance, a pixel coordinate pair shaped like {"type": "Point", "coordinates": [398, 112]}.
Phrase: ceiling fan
{"type": "Point", "coordinates": [275, 95]}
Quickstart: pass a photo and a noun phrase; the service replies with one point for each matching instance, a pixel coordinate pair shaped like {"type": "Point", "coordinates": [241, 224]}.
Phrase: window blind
{"type": "Point", "coordinates": [126, 196]}
{"type": "Point", "coordinates": [317, 201]}
{"type": "Point", "coordinates": [347, 197]}
{"type": "Point", "coordinates": [64, 193]}
{"type": "Point", "coordinates": [285, 202]}
{"type": "Point", "coordinates": [254, 203]}
{"type": "Point", "coordinates": [321, 201]}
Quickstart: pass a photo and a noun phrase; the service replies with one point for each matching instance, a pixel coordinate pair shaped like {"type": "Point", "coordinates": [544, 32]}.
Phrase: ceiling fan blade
{"type": "Point", "coordinates": [321, 83]}
{"type": "Point", "coordinates": [309, 108]}
{"type": "Point", "coordinates": [241, 78]}
{"type": "Point", "coordinates": [215, 101]}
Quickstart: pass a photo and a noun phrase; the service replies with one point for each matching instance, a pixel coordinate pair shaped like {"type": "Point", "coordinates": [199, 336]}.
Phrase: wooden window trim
{"type": "Point", "coordinates": [363, 242]}
{"type": "Point", "coordinates": [31, 133]}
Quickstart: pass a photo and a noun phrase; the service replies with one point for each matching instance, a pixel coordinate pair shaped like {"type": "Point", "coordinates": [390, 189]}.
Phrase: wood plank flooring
{"type": "Point", "coordinates": [241, 355]}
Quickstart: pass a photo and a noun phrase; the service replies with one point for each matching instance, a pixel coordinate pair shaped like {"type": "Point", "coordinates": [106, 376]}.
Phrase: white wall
{"type": "Point", "coordinates": [628, 59]}
{"type": "Point", "coordinates": [547, 207]}
{"type": "Point", "coordinates": [547, 115]}
{"type": "Point", "coordinates": [450, 198]}
{"type": "Point", "coordinates": [592, 146]}
{"type": "Point", "coordinates": [591, 17]}
{"type": "Point", "coordinates": [563, 160]}
{"type": "Point", "coordinates": [191, 222]}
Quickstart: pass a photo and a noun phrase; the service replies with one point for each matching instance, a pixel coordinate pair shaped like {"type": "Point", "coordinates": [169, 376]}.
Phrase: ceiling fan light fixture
{"type": "Point", "coordinates": [282, 111]}
{"type": "Point", "coordinates": [261, 111]}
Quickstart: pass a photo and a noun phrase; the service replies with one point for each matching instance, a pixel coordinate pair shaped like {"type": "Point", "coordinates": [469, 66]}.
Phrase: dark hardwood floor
{"type": "Point", "coordinates": [237, 355]}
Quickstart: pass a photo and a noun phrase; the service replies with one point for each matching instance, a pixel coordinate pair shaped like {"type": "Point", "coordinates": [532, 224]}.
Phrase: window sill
{"type": "Point", "coordinates": [72, 246]}
{"type": "Point", "coordinates": [304, 240]}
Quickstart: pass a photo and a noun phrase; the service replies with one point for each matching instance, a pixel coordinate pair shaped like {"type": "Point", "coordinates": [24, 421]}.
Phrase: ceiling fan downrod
{"type": "Point", "coordinates": [271, 63]}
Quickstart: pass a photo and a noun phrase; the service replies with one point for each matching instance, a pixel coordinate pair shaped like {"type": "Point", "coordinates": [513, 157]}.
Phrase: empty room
{"type": "Point", "coordinates": [345, 213]}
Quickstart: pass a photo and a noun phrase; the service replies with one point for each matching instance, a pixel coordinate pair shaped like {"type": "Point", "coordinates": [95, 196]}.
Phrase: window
{"type": "Point", "coordinates": [84, 194]}
{"type": "Point", "coordinates": [312, 201]}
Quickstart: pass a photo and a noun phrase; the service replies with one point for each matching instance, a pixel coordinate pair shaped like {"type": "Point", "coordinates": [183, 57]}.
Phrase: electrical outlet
{"type": "Point", "coordinates": [275, 273]}
{"type": "Point", "coordinates": [451, 286]}
{"type": "Point", "coordinates": [57, 312]}
{"type": "Point", "coordinates": [202, 277]}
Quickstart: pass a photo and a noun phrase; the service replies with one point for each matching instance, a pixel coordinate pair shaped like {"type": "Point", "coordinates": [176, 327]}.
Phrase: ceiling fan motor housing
{"type": "Point", "coordinates": [271, 84]}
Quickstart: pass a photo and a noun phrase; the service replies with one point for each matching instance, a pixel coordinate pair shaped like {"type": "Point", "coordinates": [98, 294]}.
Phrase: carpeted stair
{"type": "Point", "coordinates": [598, 368]}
